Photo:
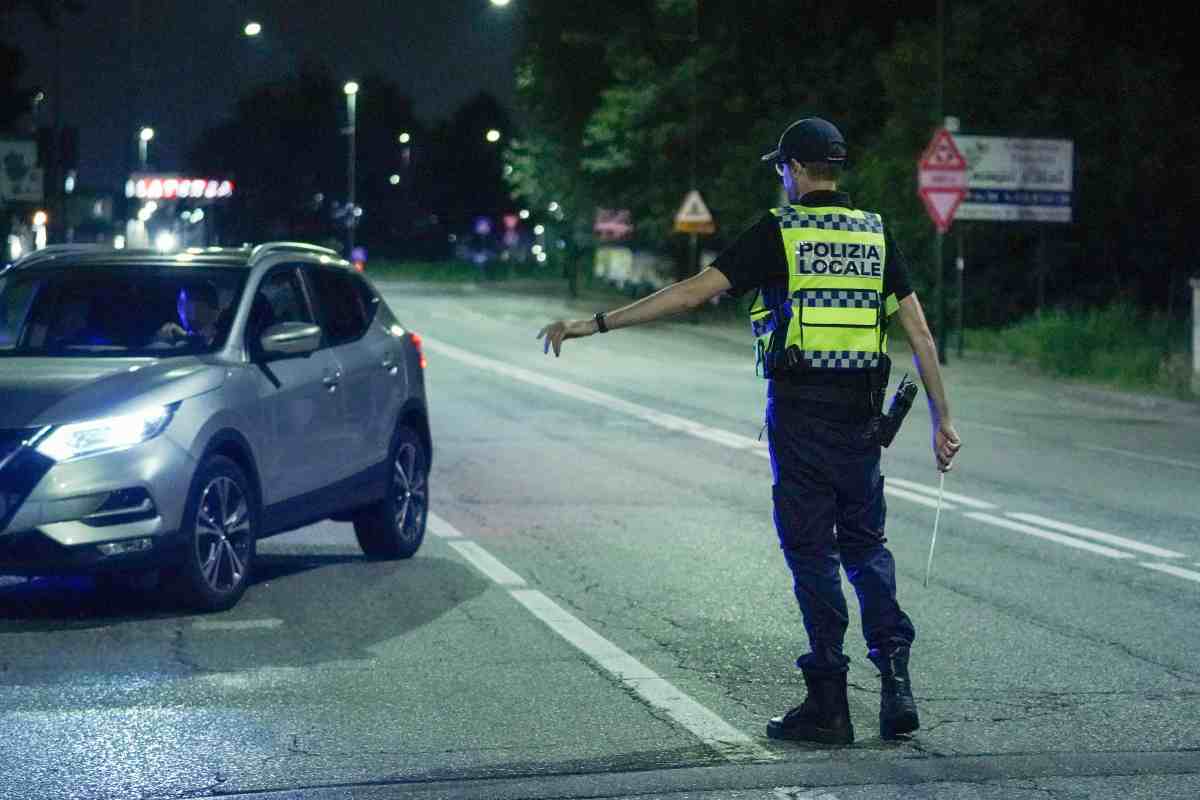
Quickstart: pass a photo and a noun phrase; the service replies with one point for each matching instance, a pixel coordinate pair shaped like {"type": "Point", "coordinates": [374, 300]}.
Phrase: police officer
{"type": "Point", "coordinates": [827, 278]}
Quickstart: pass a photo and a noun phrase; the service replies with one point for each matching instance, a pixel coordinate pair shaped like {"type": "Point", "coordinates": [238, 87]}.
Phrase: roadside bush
{"type": "Point", "coordinates": [1117, 345]}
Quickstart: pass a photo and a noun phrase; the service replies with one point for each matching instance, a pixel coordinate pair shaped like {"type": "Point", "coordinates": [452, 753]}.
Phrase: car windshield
{"type": "Point", "coordinates": [115, 311]}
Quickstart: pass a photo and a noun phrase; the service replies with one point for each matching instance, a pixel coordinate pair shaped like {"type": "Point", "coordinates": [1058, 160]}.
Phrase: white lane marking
{"type": "Point", "coordinates": [800, 793]}
{"type": "Point", "coordinates": [439, 527]}
{"type": "Point", "coordinates": [1100, 536]}
{"type": "Point", "coordinates": [668, 421]}
{"type": "Point", "coordinates": [655, 690]}
{"type": "Point", "coordinates": [1171, 462]}
{"type": "Point", "coordinates": [892, 491]}
{"type": "Point", "coordinates": [486, 563]}
{"type": "Point", "coordinates": [932, 491]}
{"type": "Point", "coordinates": [1171, 569]}
{"type": "Point", "coordinates": [985, 426]}
{"type": "Point", "coordinates": [235, 624]}
{"type": "Point", "coordinates": [1001, 522]}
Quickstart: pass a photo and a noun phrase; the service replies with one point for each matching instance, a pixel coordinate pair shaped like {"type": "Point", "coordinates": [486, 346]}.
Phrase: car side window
{"type": "Point", "coordinates": [280, 298]}
{"type": "Point", "coordinates": [369, 298]}
{"type": "Point", "coordinates": [345, 313]}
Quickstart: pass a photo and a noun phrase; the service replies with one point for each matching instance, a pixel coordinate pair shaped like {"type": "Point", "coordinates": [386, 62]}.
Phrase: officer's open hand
{"type": "Point", "coordinates": [945, 446]}
{"type": "Point", "coordinates": [558, 332]}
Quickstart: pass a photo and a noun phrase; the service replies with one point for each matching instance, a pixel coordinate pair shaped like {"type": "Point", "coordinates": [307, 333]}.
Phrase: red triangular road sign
{"type": "Point", "coordinates": [942, 153]}
{"type": "Point", "coordinates": [941, 205]}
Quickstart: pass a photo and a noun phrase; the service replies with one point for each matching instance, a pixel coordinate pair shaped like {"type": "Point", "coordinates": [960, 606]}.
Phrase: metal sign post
{"type": "Point", "coordinates": [942, 185]}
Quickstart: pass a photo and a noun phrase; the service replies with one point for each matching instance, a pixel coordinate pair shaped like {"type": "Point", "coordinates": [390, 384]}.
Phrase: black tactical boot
{"type": "Point", "coordinates": [823, 717]}
{"type": "Point", "coordinates": [897, 708]}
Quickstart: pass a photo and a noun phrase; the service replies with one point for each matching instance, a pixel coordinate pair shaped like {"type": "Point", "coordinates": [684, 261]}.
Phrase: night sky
{"type": "Point", "coordinates": [194, 62]}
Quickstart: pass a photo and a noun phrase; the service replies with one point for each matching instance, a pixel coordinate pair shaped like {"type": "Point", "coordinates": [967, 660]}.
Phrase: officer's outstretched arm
{"type": "Point", "coordinates": [665, 302]}
{"type": "Point", "coordinates": [946, 441]}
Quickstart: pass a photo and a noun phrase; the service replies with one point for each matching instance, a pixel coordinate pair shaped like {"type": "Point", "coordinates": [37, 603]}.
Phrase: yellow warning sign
{"type": "Point", "coordinates": [693, 216]}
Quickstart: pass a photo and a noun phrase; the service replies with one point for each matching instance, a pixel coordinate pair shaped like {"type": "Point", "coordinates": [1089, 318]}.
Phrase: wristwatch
{"type": "Point", "coordinates": [600, 326]}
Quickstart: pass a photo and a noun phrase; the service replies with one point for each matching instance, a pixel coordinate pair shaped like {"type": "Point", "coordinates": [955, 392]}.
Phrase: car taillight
{"type": "Point", "coordinates": [416, 340]}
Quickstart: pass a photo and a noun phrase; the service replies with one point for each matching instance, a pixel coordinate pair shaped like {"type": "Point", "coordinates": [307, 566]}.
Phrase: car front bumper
{"type": "Point", "coordinates": [109, 511]}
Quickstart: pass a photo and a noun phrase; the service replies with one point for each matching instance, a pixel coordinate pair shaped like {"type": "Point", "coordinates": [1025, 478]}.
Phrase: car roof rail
{"type": "Point", "coordinates": [271, 248]}
{"type": "Point", "coordinates": [52, 251]}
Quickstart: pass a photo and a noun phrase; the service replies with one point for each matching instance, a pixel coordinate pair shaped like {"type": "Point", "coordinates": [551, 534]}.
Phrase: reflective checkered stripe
{"type": "Point", "coordinates": [840, 298]}
{"type": "Point", "coordinates": [857, 221]}
{"type": "Point", "coordinates": [840, 359]}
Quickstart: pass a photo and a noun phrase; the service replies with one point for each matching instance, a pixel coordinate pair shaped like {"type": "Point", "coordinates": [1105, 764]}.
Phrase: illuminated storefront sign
{"type": "Point", "coordinates": [177, 187]}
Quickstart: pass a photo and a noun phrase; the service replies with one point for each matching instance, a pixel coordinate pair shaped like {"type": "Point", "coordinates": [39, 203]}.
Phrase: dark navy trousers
{"type": "Point", "coordinates": [829, 513]}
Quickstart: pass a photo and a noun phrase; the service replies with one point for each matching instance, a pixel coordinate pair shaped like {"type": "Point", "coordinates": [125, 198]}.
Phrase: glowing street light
{"type": "Point", "coordinates": [500, 3]}
{"type": "Point", "coordinates": [524, 213]}
{"type": "Point", "coordinates": [553, 207]}
{"type": "Point", "coordinates": [394, 180]}
{"type": "Point", "coordinates": [252, 29]}
{"type": "Point", "coordinates": [351, 90]}
{"type": "Point", "coordinates": [144, 137]}
{"type": "Point", "coordinates": [492, 135]}
{"type": "Point", "coordinates": [404, 138]}
{"type": "Point", "coordinates": [538, 230]}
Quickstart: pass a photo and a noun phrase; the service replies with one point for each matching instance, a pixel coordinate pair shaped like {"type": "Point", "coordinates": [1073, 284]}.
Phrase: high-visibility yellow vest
{"type": "Point", "coordinates": [833, 313]}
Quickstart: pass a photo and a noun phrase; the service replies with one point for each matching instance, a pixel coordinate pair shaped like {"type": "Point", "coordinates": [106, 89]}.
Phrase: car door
{"type": "Point", "coordinates": [371, 371]}
{"type": "Point", "coordinates": [298, 396]}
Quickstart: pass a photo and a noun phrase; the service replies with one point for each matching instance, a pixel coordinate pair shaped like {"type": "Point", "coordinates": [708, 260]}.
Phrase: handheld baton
{"type": "Point", "coordinates": [937, 516]}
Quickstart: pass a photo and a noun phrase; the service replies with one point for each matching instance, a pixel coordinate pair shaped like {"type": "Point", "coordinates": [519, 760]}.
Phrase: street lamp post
{"type": "Point", "coordinates": [351, 90]}
{"type": "Point", "coordinates": [144, 137]}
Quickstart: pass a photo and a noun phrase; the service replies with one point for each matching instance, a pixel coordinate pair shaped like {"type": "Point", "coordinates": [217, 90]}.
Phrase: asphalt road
{"type": "Point", "coordinates": [601, 609]}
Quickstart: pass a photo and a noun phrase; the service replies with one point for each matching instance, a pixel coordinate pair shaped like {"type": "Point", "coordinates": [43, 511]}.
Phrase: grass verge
{"type": "Point", "coordinates": [1118, 346]}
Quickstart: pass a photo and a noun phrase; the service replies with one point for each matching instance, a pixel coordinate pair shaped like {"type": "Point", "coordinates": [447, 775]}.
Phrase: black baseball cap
{"type": "Point", "coordinates": [808, 141]}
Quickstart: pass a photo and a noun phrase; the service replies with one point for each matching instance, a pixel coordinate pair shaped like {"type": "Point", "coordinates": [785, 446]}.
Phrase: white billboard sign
{"type": "Point", "coordinates": [20, 176]}
{"type": "Point", "coordinates": [1017, 180]}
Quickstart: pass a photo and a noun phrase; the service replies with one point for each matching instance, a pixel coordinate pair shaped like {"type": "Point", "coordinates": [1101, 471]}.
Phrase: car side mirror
{"type": "Point", "coordinates": [290, 339]}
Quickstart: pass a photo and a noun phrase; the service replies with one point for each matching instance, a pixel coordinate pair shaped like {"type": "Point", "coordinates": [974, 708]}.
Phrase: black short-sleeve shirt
{"type": "Point", "coordinates": [756, 260]}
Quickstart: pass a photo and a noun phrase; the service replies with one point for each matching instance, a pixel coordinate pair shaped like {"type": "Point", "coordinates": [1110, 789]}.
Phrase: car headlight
{"type": "Point", "coordinates": [80, 439]}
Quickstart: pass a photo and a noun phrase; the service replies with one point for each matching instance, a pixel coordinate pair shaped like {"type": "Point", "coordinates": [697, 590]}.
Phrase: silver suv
{"type": "Point", "coordinates": [164, 412]}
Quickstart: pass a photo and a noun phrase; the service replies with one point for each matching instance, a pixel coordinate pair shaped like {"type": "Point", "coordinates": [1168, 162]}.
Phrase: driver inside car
{"type": "Point", "coordinates": [199, 311]}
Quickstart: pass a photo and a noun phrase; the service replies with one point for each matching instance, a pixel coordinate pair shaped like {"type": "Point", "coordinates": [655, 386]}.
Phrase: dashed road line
{"type": "Point", "coordinates": [236, 624]}
{"type": "Point", "coordinates": [439, 527]}
{"type": "Point", "coordinates": [1100, 536]}
{"type": "Point", "coordinates": [932, 491]}
{"type": "Point", "coordinates": [709, 728]}
{"type": "Point", "coordinates": [1171, 569]}
{"type": "Point", "coordinates": [1029, 530]}
{"type": "Point", "coordinates": [993, 428]}
{"type": "Point", "coordinates": [896, 487]}
{"type": "Point", "coordinates": [486, 563]}
{"type": "Point", "coordinates": [913, 497]}
{"type": "Point", "coordinates": [1170, 462]}
{"type": "Point", "coordinates": [655, 690]}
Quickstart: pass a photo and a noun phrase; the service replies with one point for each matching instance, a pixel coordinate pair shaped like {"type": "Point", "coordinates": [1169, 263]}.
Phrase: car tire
{"type": "Point", "coordinates": [220, 528]}
{"type": "Point", "coordinates": [395, 526]}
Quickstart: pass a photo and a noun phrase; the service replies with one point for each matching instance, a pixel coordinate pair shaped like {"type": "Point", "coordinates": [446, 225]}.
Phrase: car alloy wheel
{"type": "Point", "coordinates": [410, 488]}
{"type": "Point", "coordinates": [223, 534]}
{"type": "Point", "coordinates": [221, 524]}
{"type": "Point", "coordinates": [394, 527]}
